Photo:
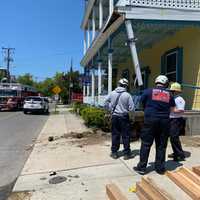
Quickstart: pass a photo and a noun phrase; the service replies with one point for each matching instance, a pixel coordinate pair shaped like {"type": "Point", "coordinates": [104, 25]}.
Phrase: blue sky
{"type": "Point", "coordinates": [44, 33]}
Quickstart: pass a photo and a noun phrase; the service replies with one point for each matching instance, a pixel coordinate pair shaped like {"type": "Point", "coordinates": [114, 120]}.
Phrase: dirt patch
{"type": "Point", "coordinates": [20, 196]}
{"type": "Point", "coordinates": [190, 141]}
{"type": "Point", "coordinates": [87, 138]}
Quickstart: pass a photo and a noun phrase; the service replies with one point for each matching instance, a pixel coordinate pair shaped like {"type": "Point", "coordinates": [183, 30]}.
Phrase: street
{"type": "Point", "coordinates": [17, 132]}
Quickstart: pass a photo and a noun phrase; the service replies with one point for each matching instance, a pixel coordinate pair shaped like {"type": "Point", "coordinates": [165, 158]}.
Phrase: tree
{"type": "Point", "coordinates": [26, 79]}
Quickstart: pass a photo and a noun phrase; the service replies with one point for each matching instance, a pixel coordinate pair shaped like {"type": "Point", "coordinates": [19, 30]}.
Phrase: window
{"type": "Point", "coordinates": [171, 64]}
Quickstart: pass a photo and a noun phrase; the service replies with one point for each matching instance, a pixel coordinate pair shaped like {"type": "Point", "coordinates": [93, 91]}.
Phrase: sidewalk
{"type": "Point", "coordinates": [81, 162]}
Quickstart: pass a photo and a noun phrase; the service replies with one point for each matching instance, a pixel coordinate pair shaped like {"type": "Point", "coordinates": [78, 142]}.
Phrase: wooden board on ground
{"type": "Point", "coordinates": [148, 189]}
{"type": "Point", "coordinates": [196, 170]}
{"type": "Point", "coordinates": [114, 193]}
{"type": "Point", "coordinates": [172, 189]}
{"type": "Point", "coordinates": [187, 181]}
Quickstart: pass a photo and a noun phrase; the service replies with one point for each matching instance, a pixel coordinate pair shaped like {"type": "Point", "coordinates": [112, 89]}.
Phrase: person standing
{"type": "Point", "coordinates": [177, 123]}
{"type": "Point", "coordinates": [157, 103]}
{"type": "Point", "coordinates": [120, 103]}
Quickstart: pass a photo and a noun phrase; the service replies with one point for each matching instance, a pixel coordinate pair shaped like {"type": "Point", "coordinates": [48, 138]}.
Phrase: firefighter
{"type": "Point", "coordinates": [157, 103]}
{"type": "Point", "coordinates": [120, 103]}
{"type": "Point", "coordinates": [177, 123]}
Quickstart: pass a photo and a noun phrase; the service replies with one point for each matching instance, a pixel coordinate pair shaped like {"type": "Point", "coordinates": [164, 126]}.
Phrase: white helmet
{"type": "Point", "coordinates": [162, 79]}
{"type": "Point", "coordinates": [123, 81]}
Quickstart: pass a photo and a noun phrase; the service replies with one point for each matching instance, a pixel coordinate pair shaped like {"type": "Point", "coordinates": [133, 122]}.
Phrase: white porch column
{"type": "Point", "coordinates": [93, 24]}
{"type": "Point", "coordinates": [100, 14]}
{"type": "Point", "coordinates": [88, 35]}
{"type": "Point", "coordinates": [132, 42]}
{"type": "Point", "coordinates": [84, 90]}
{"type": "Point", "coordinates": [111, 7]}
{"type": "Point", "coordinates": [88, 89]}
{"type": "Point", "coordinates": [110, 70]}
{"type": "Point", "coordinates": [99, 80]}
{"type": "Point", "coordinates": [85, 43]}
{"type": "Point", "coordinates": [93, 85]}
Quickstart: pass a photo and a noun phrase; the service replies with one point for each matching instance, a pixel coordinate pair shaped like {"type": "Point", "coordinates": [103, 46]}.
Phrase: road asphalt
{"type": "Point", "coordinates": [17, 134]}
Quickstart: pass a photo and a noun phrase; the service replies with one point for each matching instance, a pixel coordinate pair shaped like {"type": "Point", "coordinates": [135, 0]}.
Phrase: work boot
{"type": "Point", "coordinates": [161, 171]}
{"type": "Point", "coordinates": [114, 155]}
{"type": "Point", "coordinates": [128, 156]}
{"type": "Point", "coordinates": [139, 170]}
{"type": "Point", "coordinates": [179, 158]}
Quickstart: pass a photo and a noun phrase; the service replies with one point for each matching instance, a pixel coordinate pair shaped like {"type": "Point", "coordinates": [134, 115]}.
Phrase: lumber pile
{"type": "Point", "coordinates": [147, 189]}
{"type": "Point", "coordinates": [182, 184]}
{"type": "Point", "coordinates": [188, 180]}
{"type": "Point", "coordinates": [114, 193]}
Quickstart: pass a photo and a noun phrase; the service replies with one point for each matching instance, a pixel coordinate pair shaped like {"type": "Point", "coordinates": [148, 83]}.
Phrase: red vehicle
{"type": "Point", "coordinates": [12, 95]}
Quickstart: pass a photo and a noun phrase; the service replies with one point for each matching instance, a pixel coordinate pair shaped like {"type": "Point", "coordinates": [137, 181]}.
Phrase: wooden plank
{"type": "Point", "coordinates": [151, 191]}
{"type": "Point", "coordinates": [190, 174]}
{"type": "Point", "coordinates": [141, 195]}
{"type": "Point", "coordinates": [196, 170]}
{"type": "Point", "coordinates": [114, 193]}
{"type": "Point", "coordinates": [145, 191]}
{"type": "Point", "coordinates": [163, 194]}
{"type": "Point", "coordinates": [186, 184]}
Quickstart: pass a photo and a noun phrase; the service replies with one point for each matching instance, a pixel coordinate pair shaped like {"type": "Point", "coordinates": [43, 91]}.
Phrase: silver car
{"type": "Point", "coordinates": [36, 104]}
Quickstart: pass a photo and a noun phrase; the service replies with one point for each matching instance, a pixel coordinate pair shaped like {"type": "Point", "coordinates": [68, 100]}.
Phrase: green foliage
{"type": "Point", "coordinates": [68, 82]}
{"type": "Point", "coordinates": [93, 116]}
{"type": "Point", "coordinates": [26, 79]}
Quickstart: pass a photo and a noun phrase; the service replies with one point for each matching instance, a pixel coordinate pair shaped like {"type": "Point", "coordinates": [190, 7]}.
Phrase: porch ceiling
{"type": "Point", "coordinates": [147, 33]}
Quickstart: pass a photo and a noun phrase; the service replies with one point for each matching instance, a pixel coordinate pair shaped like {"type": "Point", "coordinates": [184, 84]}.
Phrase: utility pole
{"type": "Point", "coordinates": [8, 59]}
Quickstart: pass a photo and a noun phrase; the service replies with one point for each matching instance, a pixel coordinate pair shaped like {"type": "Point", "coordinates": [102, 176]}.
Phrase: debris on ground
{"type": "Point", "coordinates": [20, 196]}
{"type": "Point", "coordinates": [50, 138]}
{"type": "Point", "coordinates": [52, 173]}
{"type": "Point", "coordinates": [57, 180]}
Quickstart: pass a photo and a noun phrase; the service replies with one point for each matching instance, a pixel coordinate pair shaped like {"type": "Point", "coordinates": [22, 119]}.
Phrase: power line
{"type": "Point", "coordinates": [8, 59]}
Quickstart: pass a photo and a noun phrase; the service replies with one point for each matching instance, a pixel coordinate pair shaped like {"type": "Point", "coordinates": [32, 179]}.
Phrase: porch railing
{"type": "Point", "coordinates": [95, 102]}
{"type": "Point", "coordinates": [173, 4]}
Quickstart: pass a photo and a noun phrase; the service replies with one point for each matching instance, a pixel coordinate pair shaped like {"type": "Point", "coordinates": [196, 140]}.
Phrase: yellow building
{"type": "Point", "coordinates": [140, 40]}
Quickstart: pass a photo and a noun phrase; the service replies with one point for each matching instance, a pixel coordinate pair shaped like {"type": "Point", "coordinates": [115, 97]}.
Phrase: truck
{"type": "Point", "coordinates": [12, 95]}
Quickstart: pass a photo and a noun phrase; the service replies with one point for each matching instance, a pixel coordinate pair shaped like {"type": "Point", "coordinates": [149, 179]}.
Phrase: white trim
{"type": "Point", "coordinates": [88, 35]}
{"type": "Point", "coordinates": [171, 4]}
{"type": "Point", "coordinates": [160, 14]}
{"type": "Point", "coordinates": [100, 14]}
{"type": "Point", "coordinates": [93, 24]}
{"type": "Point", "coordinates": [93, 84]}
{"type": "Point", "coordinates": [111, 7]}
{"type": "Point", "coordinates": [85, 43]}
{"type": "Point", "coordinates": [99, 80]}
{"type": "Point", "coordinates": [87, 14]}
{"type": "Point", "coordinates": [133, 49]}
{"type": "Point", "coordinates": [101, 39]}
{"type": "Point", "coordinates": [109, 73]}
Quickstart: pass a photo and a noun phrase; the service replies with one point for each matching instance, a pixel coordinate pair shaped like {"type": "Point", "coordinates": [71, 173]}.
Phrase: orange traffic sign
{"type": "Point", "coordinates": [56, 90]}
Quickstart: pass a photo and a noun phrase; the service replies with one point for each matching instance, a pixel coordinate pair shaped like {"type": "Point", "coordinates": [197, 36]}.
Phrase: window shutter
{"type": "Point", "coordinates": [163, 68]}
{"type": "Point", "coordinates": [179, 73]}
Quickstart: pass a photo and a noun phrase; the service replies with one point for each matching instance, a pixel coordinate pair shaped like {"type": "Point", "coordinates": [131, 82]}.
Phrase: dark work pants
{"type": "Point", "coordinates": [120, 127]}
{"type": "Point", "coordinates": [175, 129]}
{"type": "Point", "coordinates": [154, 129]}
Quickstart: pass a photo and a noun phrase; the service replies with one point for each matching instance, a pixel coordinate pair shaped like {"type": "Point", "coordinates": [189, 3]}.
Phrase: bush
{"type": "Point", "coordinates": [94, 117]}
{"type": "Point", "coordinates": [78, 107]}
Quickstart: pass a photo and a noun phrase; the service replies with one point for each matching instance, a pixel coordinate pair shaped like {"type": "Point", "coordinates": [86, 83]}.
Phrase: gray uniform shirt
{"type": "Point", "coordinates": [125, 103]}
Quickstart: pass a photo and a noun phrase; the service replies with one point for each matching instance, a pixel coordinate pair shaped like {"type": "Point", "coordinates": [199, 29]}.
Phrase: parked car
{"type": "Point", "coordinates": [36, 104]}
